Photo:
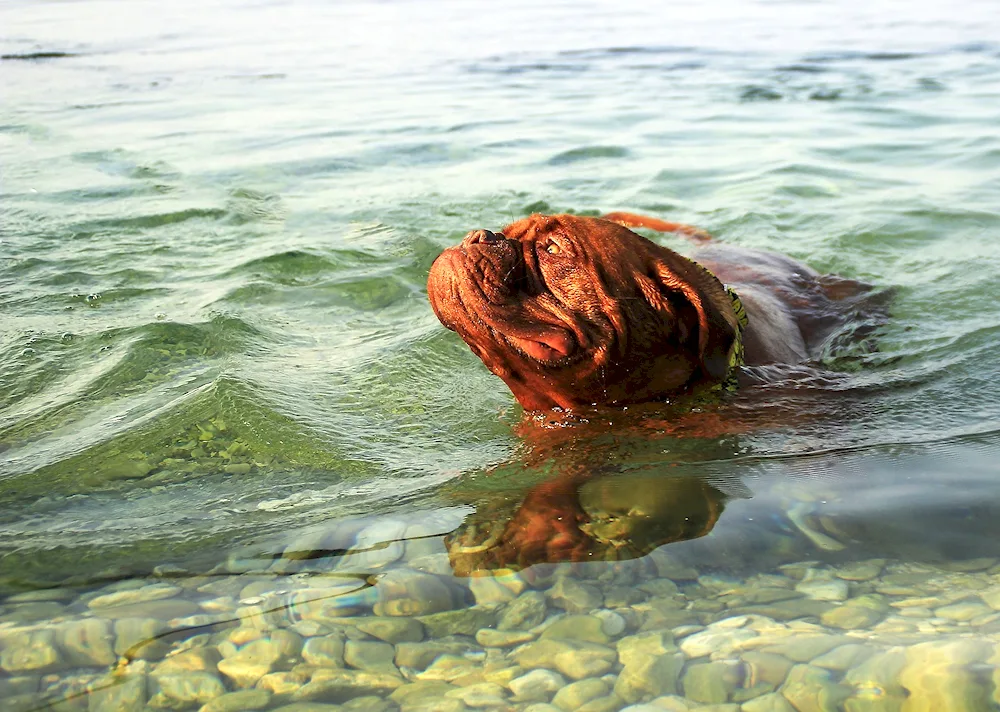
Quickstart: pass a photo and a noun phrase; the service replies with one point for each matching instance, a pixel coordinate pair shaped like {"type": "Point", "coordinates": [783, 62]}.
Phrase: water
{"type": "Point", "coordinates": [219, 370]}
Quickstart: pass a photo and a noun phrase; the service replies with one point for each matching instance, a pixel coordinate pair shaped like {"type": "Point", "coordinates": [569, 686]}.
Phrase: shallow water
{"type": "Point", "coordinates": [221, 384]}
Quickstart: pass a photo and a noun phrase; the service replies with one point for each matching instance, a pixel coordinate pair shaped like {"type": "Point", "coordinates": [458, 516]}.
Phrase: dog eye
{"type": "Point", "coordinates": [553, 249]}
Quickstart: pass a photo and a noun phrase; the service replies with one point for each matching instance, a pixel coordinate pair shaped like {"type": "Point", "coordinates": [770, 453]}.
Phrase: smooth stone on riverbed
{"type": "Point", "coordinates": [392, 630]}
{"type": "Point", "coordinates": [405, 592]}
{"type": "Point", "coordinates": [30, 651]}
{"type": "Point", "coordinates": [577, 627]}
{"type": "Point", "coordinates": [490, 638]}
{"type": "Point", "coordinates": [803, 648]}
{"type": "Point", "coordinates": [419, 692]}
{"type": "Point", "coordinates": [844, 657]}
{"type": "Point", "coordinates": [536, 686]}
{"type": "Point", "coordinates": [939, 679]}
{"type": "Point", "coordinates": [820, 585]}
{"type": "Point", "coordinates": [238, 701]}
{"type": "Point", "coordinates": [575, 596]}
{"type": "Point", "coordinates": [419, 655]}
{"type": "Point", "coordinates": [860, 570]}
{"type": "Point", "coordinates": [259, 657]}
{"type": "Point", "coordinates": [447, 668]}
{"type": "Point", "coordinates": [162, 610]}
{"type": "Point", "coordinates": [88, 642]}
{"type": "Point", "coordinates": [465, 621]}
{"type": "Point", "coordinates": [202, 659]}
{"type": "Point", "coordinates": [325, 651]}
{"type": "Point", "coordinates": [524, 612]}
{"type": "Point", "coordinates": [711, 683]}
{"type": "Point", "coordinates": [715, 640]}
{"type": "Point", "coordinates": [811, 689]}
{"type": "Point", "coordinates": [187, 690]}
{"type": "Point", "coordinates": [772, 702]}
{"type": "Point", "coordinates": [963, 611]}
{"type": "Point", "coordinates": [145, 594]}
{"type": "Point", "coordinates": [585, 660]}
{"type": "Point", "coordinates": [371, 656]}
{"type": "Point", "coordinates": [877, 678]}
{"type": "Point", "coordinates": [650, 675]}
{"type": "Point", "coordinates": [768, 669]}
{"type": "Point", "coordinates": [857, 613]}
{"type": "Point", "coordinates": [577, 694]}
{"type": "Point", "coordinates": [343, 685]}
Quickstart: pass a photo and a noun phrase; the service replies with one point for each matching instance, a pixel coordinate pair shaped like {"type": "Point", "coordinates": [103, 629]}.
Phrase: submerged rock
{"type": "Point", "coordinates": [576, 694]}
{"type": "Point", "coordinates": [325, 651]}
{"type": "Point", "coordinates": [938, 677]}
{"type": "Point", "coordinates": [185, 690]}
{"type": "Point", "coordinates": [240, 701]}
{"type": "Point", "coordinates": [524, 612]}
{"type": "Point", "coordinates": [343, 685]}
{"type": "Point", "coordinates": [537, 685]}
{"type": "Point", "coordinates": [577, 627]}
{"type": "Point", "coordinates": [711, 683]}
{"type": "Point", "coordinates": [30, 651]}
{"type": "Point", "coordinates": [811, 689]}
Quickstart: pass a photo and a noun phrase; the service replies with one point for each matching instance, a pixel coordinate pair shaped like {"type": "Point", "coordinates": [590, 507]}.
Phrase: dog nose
{"type": "Point", "coordinates": [482, 236]}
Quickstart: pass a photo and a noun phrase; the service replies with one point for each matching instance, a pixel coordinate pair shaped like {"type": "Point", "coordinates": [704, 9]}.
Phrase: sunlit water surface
{"type": "Point", "coordinates": [243, 466]}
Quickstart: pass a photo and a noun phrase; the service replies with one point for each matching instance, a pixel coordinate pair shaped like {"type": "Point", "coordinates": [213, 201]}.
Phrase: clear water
{"type": "Point", "coordinates": [216, 222]}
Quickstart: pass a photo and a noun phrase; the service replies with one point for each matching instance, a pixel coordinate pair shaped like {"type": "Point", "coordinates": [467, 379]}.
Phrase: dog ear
{"type": "Point", "coordinates": [670, 275]}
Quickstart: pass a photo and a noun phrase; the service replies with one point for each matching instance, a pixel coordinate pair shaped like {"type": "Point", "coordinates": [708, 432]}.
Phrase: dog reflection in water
{"type": "Point", "coordinates": [577, 519]}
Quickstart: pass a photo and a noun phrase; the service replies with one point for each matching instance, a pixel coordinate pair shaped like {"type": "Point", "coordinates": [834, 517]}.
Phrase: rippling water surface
{"type": "Point", "coordinates": [222, 387]}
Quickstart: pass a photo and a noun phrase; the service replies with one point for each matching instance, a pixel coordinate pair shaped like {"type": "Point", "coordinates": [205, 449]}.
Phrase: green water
{"type": "Point", "coordinates": [216, 224]}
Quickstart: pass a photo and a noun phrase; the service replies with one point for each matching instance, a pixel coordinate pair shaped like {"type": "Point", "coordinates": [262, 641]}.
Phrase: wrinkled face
{"type": "Point", "coordinates": [573, 311]}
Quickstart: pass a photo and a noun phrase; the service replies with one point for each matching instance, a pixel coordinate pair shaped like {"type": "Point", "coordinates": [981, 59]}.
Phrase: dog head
{"type": "Point", "coordinates": [575, 311]}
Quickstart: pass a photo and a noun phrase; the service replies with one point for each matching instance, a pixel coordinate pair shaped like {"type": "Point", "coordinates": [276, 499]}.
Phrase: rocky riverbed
{"type": "Point", "coordinates": [644, 636]}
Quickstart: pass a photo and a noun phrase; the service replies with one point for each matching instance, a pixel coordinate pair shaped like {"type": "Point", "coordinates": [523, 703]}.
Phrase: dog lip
{"type": "Point", "coordinates": [550, 345]}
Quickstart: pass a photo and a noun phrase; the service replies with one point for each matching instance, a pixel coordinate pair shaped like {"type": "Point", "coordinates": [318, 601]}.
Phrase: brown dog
{"type": "Point", "coordinates": [574, 311]}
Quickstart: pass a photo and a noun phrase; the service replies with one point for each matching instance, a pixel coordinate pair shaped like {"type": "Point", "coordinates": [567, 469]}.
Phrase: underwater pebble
{"type": "Point", "coordinates": [856, 614]}
{"type": "Point", "coordinates": [964, 611]}
{"type": "Point", "coordinates": [252, 661]}
{"type": "Point", "coordinates": [803, 648]}
{"type": "Point", "coordinates": [612, 624]}
{"type": "Point", "coordinates": [488, 590]}
{"type": "Point", "coordinates": [88, 642]}
{"type": "Point", "coordinates": [126, 694]}
{"type": "Point", "coordinates": [576, 694]}
{"type": "Point", "coordinates": [447, 668]}
{"type": "Point", "coordinates": [466, 621]}
{"type": "Point", "coordinates": [812, 688]}
{"type": "Point", "coordinates": [238, 701]}
{"type": "Point", "coordinates": [282, 684]}
{"type": "Point", "coordinates": [145, 594]}
{"type": "Point", "coordinates": [405, 592]}
{"type": "Point", "coordinates": [341, 685]}
{"type": "Point", "coordinates": [577, 627]}
{"type": "Point", "coordinates": [771, 702]}
{"type": "Point", "coordinates": [714, 640]}
{"type": "Point", "coordinates": [821, 585]}
{"type": "Point", "coordinates": [584, 660]}
{"type": "Point", "coordinates": [195, 660]}
{"type": "Point", "coordinates": [419, 655]}
{"type": "Point", "coordinates": [524, 612]}
{"type": "Point", "coordinates": [371, 656]}
{"type": "Point", "coordinates": [938, 678]}
{"type": "Point", "coordinates": [189, 689]}
{"type": "Point", "coordinates": [575, 596]}
{"type": "Point", "coordinates": [30, 651]}
{"type": "Point", "coordinates": [483, 694]}
{"type": "Point", "coordinates": [710, 683]}
{"type": "Point", "coordinates": [537, 685]}
{"type": "Point", "coordinates": [491, 638]}
{"type": "Point", "coordinates": [324, 651]}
